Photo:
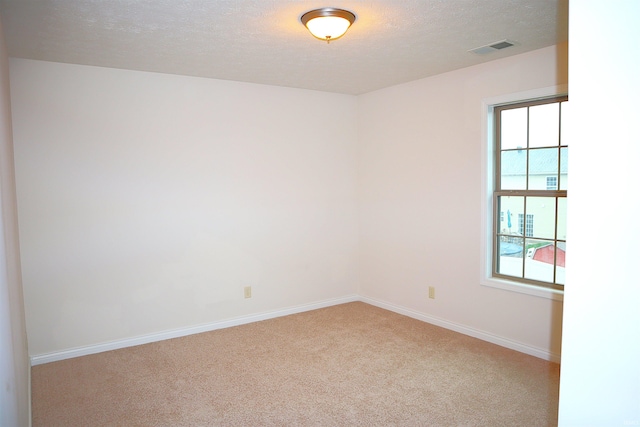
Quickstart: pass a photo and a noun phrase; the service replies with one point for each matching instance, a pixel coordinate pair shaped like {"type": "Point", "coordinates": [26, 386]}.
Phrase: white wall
{"type": "Point", "coordinates": [14, 361]}
{"type": "Point", "coordinates": [420, 201]}
{"type": "Point", "coordinates": [148, 201]}
{"type": "Point", "coordinates": [600, 377]}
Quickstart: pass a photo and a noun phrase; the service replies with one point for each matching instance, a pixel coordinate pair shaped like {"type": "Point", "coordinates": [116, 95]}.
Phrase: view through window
{"type": "Point", "coordinates": [530, 193]}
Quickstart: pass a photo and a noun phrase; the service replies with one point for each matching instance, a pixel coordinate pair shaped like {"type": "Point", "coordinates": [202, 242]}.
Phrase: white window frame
{"type": "Point", "coordinates": [488, 156]}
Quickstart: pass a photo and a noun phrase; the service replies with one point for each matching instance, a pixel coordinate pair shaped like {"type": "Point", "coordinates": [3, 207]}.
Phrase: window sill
{"type": "Point", "coordinates": [523, 288]}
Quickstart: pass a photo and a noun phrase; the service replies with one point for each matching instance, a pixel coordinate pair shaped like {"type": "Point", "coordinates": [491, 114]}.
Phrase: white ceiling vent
{"type": "Point", "coordinates": [495, 46]}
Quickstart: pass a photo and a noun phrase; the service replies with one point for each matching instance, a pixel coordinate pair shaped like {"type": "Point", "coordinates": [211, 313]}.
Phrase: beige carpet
{"type": "Point", "coordinates": [347, 365]}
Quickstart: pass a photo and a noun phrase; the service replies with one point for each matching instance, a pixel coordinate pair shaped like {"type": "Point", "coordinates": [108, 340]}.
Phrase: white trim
{"type": "Point", "coordinates": [527, 95]}
{"type": "Point", "coordinates": [486, 214]}
{"type": "Point", "coordinates": [176, 333]}
{"type": "Point", "coordinates": [39, 359]}
{"type": "Point", "coordinates": [523, 288]}
{"type": "Point", "coordinates": [485, 336]}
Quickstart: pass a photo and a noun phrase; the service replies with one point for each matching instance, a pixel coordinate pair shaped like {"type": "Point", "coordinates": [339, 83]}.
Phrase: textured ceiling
{"type": "Point", "coordinates": [263, 41]}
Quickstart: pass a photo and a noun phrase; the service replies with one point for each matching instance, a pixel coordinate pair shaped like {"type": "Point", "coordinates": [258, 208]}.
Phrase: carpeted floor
{"type": "Point", "coordinates": [347, 365]}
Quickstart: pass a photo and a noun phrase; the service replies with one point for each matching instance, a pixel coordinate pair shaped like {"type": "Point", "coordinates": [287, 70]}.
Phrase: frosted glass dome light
{"type": "Point", "coordinates": [328, 23]}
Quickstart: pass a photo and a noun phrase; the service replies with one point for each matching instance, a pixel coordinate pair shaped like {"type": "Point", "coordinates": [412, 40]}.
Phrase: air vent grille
{"type": "Point", "coordinates": [493, 47]}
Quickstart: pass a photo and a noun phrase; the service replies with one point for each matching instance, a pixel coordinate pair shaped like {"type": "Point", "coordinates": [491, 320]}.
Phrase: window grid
{"type": "Point", "coordinates": [525, 220]}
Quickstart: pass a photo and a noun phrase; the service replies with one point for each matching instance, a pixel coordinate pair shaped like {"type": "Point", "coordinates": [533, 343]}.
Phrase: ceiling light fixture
{"type": "Point", "coordinates": [328, 23]}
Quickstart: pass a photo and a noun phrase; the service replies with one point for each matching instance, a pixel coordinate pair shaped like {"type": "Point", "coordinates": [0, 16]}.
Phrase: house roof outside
{"type": "Point", "coordinates": [541, 162]}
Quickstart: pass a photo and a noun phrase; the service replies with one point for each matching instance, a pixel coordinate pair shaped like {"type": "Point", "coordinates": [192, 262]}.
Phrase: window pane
{"type": "Point", "coordinates": [539, 263]}
{"type": "Point", "coordinates": [543, 162]}
{"type": "Point", "coordinates": [561, 249]}
{"type": "Point", "coordinates": [565, 111]}
{"type": "Point", "coordinates": [562, 218]}
{"type": "Point", "coordinates": [513, 132]}
{"type": "Point", "coordinates": [544, 125]}
{"type": "Point", "coordinates": [564, 162]}
{"type": "Point", "coordinates": [513, 170]}
{"type": "Point", "coordinates": [510, 260]}
{"type": "Point", "coordinates": [512, 206]}
{"type": "Point", "coordinates": [543, 210]}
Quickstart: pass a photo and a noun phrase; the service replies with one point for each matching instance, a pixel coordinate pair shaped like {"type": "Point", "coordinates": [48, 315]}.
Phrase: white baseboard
{"type": "Point", "coordinates": [176, 333]}
{"type": "Point", "coordinates": [40, 359]}
{"type": "Point", "coordinates": [485, 336]}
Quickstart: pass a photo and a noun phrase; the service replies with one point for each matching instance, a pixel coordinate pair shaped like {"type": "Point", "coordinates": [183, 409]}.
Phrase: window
{"type": "Point", "coordinates": [529, 230]}
{"type": "Point", "coordinates": [530, 182]}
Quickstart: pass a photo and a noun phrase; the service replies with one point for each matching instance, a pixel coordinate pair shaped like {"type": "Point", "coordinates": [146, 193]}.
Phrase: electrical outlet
{"type": "Point", "coordinates": [432, 292]}
{"type": "Point", "coordinates": [247, 291]}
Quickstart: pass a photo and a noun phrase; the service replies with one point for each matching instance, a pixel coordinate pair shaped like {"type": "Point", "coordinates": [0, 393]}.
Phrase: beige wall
{"type": "Point", "coordinates": [148, 201]}
{"type": "Point", "coordinates": [14, 361]}
{"type": "Point", "coordinates": [420, 199]}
